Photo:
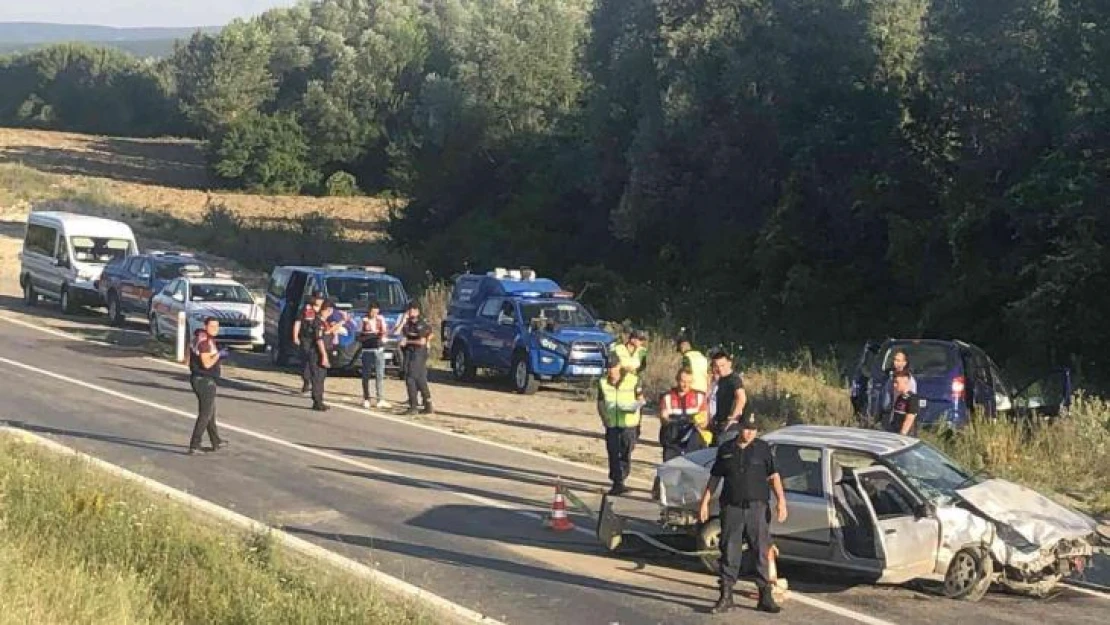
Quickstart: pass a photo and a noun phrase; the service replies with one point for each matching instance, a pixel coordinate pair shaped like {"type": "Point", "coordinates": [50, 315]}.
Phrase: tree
{"type": "Point", "coordinates": [263, 153]}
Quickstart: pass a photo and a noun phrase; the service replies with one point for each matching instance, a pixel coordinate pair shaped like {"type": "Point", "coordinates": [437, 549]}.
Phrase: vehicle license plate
{"type": "Point", "coordinates": [581, 370]}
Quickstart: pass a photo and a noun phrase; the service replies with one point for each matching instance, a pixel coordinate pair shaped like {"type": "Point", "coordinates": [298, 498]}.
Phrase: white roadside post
{"type": "Point", "coordinates": [181, 332]}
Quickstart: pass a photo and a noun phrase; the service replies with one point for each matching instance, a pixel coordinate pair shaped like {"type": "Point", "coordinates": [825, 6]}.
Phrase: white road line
{"type": "Point", "coordinates": [360, 411]}
{"type": "Point", "coordinates": [292, 542]}
{"type": "Point", "coordinates": [1087, 591]}
{"type": "Point", "coordinates": [810, 601]}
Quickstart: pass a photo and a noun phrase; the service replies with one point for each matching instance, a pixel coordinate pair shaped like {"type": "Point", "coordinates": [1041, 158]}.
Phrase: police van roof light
{"type": "Point", "coordinates": [499, 272]}
{"type": "Point", "coordinates": [337, 267]}
{"type": "Point", "coordinates": [563, 294]}
{"type": "Point", "coordinates": [514, 274]}
{"type": "Point", "coordinates": [374, 268]}
{"type": "Point", "coordinates": [527, 273]}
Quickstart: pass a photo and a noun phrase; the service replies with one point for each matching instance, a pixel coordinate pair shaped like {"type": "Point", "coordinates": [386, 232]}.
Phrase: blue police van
{"type": "Point", "coordinates": [527, 327]}
{"type": "Point", "coordinates": [352, 288]}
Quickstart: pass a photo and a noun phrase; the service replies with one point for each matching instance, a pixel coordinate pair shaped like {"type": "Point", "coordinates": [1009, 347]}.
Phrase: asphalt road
{"type": "Point", "coordinates": [454, 516]}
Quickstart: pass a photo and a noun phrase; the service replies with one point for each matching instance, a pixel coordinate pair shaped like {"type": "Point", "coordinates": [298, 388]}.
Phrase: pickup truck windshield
{"type": "Point", "coordinates": [931, 472]}
{"type": "Point", "coordinates": [230, 293]}
{"type": "Point", "coordinates": [359, 292]}
{"type": "Point", "coordinates": [569, 314]}
{"type": "Point", "coordinates": [98, 249]}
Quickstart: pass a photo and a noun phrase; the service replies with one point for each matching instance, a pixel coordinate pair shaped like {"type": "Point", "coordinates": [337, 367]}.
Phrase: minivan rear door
{"type": "Point", "coordinates": [275, 304]}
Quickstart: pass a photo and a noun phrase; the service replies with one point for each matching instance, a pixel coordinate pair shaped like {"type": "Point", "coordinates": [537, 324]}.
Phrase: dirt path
{"type": "Point", "coordinates": [556, 421]}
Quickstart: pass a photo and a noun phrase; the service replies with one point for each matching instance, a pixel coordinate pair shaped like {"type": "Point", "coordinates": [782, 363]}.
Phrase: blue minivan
{"type": "Point", "coordinates": [955, 380]}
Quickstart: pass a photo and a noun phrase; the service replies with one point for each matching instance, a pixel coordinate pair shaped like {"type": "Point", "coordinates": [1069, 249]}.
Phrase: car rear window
{"type": "Point", "coordinates": [924, 358]}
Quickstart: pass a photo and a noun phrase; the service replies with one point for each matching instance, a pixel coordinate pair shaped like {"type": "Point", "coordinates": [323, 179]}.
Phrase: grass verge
{"type": "Point", "coordinates": [79, 546]}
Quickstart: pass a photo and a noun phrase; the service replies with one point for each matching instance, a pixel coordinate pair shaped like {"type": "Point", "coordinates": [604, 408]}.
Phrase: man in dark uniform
{"type": "Point", "coordinates": [902, 418]}
{"type": "Point", "coordinates": [416, 334]}
{"type": "Point", "coordinates": [302, 337]}
{"type": "Point", "coordinates": [731, 397]}
{"type": "Point", "coordinates": [747, 466]}
{"type": "Point", "coordinates": [317, 339]}
{"type": "Point", "coordinates": [204, 370]}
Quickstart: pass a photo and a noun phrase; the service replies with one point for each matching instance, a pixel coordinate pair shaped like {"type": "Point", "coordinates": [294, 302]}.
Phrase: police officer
{"type": "Point", "coordinates": [619, 400]}
{"type": "Point", "coordinates": [317, 339]}
{"type": "Point", "coordinates": [694, 361]}
{"type": "Point", "coordinates": [730, 396]}
{"type": "Point", "coordinates": [416, 334]}
{"type": "Point", "coordinates": [204, 370]}
{"type": "Point", "coordinates": [632, 354]}
{"type": "Point", "coordinates": [302, 337]}
{"type": "Point", "coordinates": [902, 417]}
{"type": "Point", "coordinates": [746, 465]}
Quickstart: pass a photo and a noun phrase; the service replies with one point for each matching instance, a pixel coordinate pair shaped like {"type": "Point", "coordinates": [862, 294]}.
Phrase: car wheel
{"type": "Point", "coordinates": [969, 575]}
{"type": "Point", "coordinates": [67, 302]}
{"type": "Point", "coordinates": [709, 539]}
{"type": "Point", "coordinates": [460, 364]}
{"type": "Point", "coordinates": [115, 314]}
{"type": "Point", "coordinates": [155, 330]}
{"type": "Point", "coordinates": [30, 298]}
{"type": "Point", "coordinates": [278, 356]}
{"type": "Point", "coordinates": [523, 381]}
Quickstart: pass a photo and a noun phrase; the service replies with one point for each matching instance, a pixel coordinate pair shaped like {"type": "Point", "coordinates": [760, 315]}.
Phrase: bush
{"type": "Point", "coordinates": [341, 184]}
{"type": "Point", "coordinates": [263, 154]}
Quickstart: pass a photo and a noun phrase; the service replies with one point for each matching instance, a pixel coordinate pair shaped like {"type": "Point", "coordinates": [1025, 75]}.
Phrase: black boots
{"type": "Point", "coordinates": [724, 604]}
{"type": "Point", "coordinates": [767, 601]}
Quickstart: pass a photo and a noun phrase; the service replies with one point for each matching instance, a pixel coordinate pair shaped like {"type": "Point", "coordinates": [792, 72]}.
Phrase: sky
{"type": "Point", "coordinates": [125, 13]}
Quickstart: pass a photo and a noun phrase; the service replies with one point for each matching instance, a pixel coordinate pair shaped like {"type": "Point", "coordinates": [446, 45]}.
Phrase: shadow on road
{"type": "Point", "coordinates": [104, 438]}
{"type": "Point", "coordinates": [467, 561]}
{"type": "Point", "coordinates": [463, 465]}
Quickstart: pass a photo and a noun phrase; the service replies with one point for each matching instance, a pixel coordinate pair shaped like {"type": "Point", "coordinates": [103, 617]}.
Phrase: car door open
{"type": "Point", "coordinates": [906, 537]}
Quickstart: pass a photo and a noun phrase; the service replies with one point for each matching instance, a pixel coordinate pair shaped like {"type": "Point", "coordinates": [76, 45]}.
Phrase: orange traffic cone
{"type": "Point", "coordinates": [559, 521]}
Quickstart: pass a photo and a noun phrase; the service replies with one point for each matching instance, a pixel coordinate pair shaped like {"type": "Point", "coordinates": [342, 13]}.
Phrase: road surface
{"type": "Point", "coordinates": [450, 514]}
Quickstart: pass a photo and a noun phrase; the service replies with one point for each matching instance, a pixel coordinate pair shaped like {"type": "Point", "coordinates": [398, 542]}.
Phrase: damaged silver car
{"type": "Point", "coordinates": [894, 509]}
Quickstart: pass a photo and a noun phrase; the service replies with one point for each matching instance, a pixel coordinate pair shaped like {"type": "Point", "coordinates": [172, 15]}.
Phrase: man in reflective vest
{"type": "Point", "coordinates": [695, 362]}
{"type": "Point", "coordinates": [632, 355]}
{"type": "Point", "coordinates": [620, 398]}
{"type": "Point", "coordinates": [683, 421]}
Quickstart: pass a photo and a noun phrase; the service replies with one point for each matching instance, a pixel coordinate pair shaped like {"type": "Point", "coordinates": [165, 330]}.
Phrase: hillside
{"type": "Point", "coordinates": [22, 33]}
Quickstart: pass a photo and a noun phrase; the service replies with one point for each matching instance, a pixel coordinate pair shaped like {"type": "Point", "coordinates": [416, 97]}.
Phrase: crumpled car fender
{"type": "Point", "coordinates": [960, 528]}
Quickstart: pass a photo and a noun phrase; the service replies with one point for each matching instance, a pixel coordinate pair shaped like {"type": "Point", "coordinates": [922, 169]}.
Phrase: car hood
{"type": "Point", "coordinates": [1033, 516]}
{"type": "Point", "coordinates": [223, 311]}
{"type": "Point", "coordinates": [572, 335]}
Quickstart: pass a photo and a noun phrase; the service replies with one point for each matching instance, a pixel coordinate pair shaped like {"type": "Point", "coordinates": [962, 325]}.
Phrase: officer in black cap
{"type": "Point", "coordinates": [304, 332]}
{"type": "Point", "coordinates": [416, 336]}
{"type": "Point", "coordinates": [747, 466]}
{"type": "Point", "coordinates": [318, 362]}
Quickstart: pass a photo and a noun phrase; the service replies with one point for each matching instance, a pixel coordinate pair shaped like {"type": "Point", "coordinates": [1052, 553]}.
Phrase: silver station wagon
{"type": "Point", "coordinates": [893, 509]}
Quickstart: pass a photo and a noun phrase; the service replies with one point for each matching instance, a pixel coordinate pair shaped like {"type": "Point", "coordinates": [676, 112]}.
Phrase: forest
{"type": "Point", "coordinates": [788, 173]}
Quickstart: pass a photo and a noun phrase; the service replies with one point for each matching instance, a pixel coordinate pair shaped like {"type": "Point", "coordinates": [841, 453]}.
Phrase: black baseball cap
{"type": "Point", "coordinates": [747, 421]}
{"type": "Point", "coordinates": [317, 295]}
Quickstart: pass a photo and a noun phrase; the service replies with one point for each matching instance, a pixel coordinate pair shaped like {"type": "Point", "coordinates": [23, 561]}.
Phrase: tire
{"type": "Point", "coordinates": [278, 356]}
{"type": "Point", "coordinates": [30, 298]}
{"type": "Point", "coordinates": [115, 313]}
{"type": "Point", "coordinates": [709, 537]}
{"type": "Point", "coordinates": [66, 302]}
{"type": "Point", "coordinates": [522, 379]}
{"type": "Point", "coordinates": [461, 366]}
{"type": "Point", "coordinates": [969, 575]}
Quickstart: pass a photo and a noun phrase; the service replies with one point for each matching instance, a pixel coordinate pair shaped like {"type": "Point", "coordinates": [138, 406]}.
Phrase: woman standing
{"type": "Point", "coordinates": [372, 336]}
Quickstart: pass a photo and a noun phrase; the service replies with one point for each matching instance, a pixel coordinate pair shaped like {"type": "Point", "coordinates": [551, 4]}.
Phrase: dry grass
{"type": "Point", "coordinates": [77, 546]}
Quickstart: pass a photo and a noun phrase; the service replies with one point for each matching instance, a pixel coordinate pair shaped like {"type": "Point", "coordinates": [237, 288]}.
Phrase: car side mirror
{"type": "Point", "coordinates": [61, 262]}
{"type": "Point", "coordinates": [923, 510]}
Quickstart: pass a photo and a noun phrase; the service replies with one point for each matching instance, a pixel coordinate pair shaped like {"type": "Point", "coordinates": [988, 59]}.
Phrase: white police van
{"type": "Point", "coordinates": [64, 253]}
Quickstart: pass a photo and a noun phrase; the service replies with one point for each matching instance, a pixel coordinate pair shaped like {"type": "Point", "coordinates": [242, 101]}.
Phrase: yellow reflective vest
{"type": "Point", "coordinates": [631, 361]}
{"type": "Point", "coordinates": [698, 364]}
{"type": "Point", "coordinates": [619, 404]}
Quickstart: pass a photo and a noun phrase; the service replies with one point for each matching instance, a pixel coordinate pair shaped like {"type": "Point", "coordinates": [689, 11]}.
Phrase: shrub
{"type": "Point", "coordinates": [341, 184]}
{"type": "Point", "coordinates": [263, 154]}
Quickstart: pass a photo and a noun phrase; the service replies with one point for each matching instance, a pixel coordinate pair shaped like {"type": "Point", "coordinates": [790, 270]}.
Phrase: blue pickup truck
{"type": "Point", "coordinates": [352, 288]}
{"type": "Point", "coordinates": [513, 322]}
{"type": "Point", "coordinates": [128, 284]}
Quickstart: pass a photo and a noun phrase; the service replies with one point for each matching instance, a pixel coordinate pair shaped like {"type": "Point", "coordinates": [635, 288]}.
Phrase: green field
{"type": "Point", "coordinates": [79, 546]}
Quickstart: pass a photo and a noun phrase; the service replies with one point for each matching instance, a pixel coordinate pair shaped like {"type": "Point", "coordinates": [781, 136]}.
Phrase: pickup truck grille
{"type": "Point", "coordinates": [584, 350]}
{"type": "Point", "coordinates": [237, 323]}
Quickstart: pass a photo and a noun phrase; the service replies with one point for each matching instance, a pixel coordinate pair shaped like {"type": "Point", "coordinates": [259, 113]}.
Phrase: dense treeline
{"type": "Point", "coordinates": [796, 171]}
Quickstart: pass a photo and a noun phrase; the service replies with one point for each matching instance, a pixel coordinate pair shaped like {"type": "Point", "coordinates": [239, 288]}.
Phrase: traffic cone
{"type": "Point", "coordinates": [559, 521]}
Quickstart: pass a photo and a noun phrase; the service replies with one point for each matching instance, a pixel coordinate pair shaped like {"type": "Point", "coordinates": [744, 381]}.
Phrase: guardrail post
{"type": "Point", "coordinates": [182, 330]}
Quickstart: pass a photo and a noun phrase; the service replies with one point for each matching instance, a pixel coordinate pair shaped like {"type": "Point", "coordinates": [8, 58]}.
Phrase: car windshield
{"type": "Point", "coordinates": [925, 359]}
{"type": "Point", "coordinates": [931, 472]}
{"type": "Point", "coordinates": [359, 292]}
{"type": "Point", "coordinates": [230, 293]}
{"type": "Point", "coordinates": [569, 314]}
{"type": "Point", "coordinates": [170, 271]}
{"type": "Point", "coordinates": [98, 249]}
